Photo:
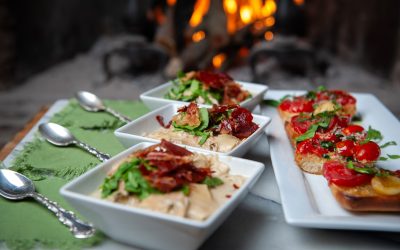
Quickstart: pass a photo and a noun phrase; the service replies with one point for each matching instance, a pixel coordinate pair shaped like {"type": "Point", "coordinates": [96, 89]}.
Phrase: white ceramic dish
{"type": "Point", "coordinates": [306, 199]}
{"type": "Point", "coordinates": [132, 133]}
{"type": "Point", "coordinates": [154, 98]}
{"type": "Point", "coordinates": [145, 228]}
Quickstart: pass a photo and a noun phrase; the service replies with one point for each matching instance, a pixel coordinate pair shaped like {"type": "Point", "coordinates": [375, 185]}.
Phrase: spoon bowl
{"type": "Point", "coordinates": [56, 134]}
{"type": "Point", "coordinates": [89, 101]}
{"type": "Point", "coordinates": [61, 136]}
{"type": "Point", "coordinates": [16, 186]}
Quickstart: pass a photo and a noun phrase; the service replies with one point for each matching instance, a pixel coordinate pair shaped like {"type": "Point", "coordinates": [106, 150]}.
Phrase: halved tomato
{"type": "Point", "coordinates": [352, 129]}
{"type": "Point", "coordinates": [297, 105]}
{"type": "Point", "coordinates": [337, 173]}
{"type": "Point", "coordinates": [345, 148]}
{"type": "Point", "coordinates": [367, 152]}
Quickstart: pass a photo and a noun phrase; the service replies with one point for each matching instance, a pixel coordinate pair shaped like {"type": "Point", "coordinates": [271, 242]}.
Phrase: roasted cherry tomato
{"type": "Point", "coordinates": [311, 147]}
{"type": "Point", "coordinates": [337, 173]}
{"type": "Point", "coordinates": [345, 148]}
{"type": "Point", "coordinates": [367, 152]}
{"type": "Point", "coordinates": [352, 129]}
{"type": "Point", "coordinates": [297, 105]}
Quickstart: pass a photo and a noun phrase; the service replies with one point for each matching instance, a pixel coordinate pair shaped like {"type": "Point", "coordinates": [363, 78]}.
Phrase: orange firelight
{"type": "Point", "coordinates": [198, 36]}
{"type": "Point", "coordinates": [269, 35]}
{"type": "Point", "coordinates": [218, 60]}
{"type": "Point", "coordinates": [200, 9]}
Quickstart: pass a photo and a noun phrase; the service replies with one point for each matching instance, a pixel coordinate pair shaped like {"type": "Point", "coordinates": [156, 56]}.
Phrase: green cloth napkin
{"type": "Point", "coordinates": [27, 224]}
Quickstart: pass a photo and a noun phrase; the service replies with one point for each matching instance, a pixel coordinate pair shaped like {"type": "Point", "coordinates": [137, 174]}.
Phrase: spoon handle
{"type": "Point", "coordinates": [78, 228]}
{"type": "Point", "coordinates": [101, 156]}
{"type": "Point", "coordinates": [118, 115]}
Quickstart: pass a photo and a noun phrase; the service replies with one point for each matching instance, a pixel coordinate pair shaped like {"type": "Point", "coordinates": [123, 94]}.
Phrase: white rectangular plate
{"type": "Point", "coordinates": [306, 199]}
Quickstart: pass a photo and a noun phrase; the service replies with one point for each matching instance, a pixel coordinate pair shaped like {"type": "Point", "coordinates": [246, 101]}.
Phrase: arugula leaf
{"type": "Point", "coordinates": [383, 158]}
{"type": "Point", "coordinates": [308, 134]}
{"type": "Point", "coordinates": [271, 102]}
{"type": "Point", "coordinates": [372, 134]}
{"type": "Point", "coordinates": [363, 170]}
{"type": "Point", "coordinates": [212, 181]}
{"type": "Point", "coordinates": [326, 144]}
{"type": "Point", "coordinates": [390, 143]}
{"type": "Point", "coordinates": [311, 95]}
{"type": "Point", "coordinates": [134, 181]}
{"type": "Point", "coordinates": [356, 118]}
{"type": "Point", "coordinates": [186, 190]}
{"type": "Point", "coordinates": [393, 157]}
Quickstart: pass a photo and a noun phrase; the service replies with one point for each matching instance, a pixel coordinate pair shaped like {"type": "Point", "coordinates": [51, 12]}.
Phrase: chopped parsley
{"type": "Point", "coordinates": [372, 135]}
{"type": "Point", "coordinates": [212, 181]}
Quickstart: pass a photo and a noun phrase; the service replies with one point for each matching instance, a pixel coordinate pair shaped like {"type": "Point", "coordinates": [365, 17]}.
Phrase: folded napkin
{"type": "Point", "coordinates": [27, 224]}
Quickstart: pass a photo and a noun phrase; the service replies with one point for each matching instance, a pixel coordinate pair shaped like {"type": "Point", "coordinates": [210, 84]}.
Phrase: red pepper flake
{"type": "Point", "coordinates": [235, 186]}
{"type": "Point", "coordinates": [228, 196]}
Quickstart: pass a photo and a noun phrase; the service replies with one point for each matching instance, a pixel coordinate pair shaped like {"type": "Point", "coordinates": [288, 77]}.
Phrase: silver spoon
{"type": "Point", "coordinates": [61, 136]}
{"type": "Point", "coordinates": [91, 102]}
{"type": "Point", "coordinates": [15, 186]}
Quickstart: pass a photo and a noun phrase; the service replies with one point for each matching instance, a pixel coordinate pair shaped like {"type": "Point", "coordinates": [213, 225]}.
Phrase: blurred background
{"type": "Point", "coordinates": [117, 49]}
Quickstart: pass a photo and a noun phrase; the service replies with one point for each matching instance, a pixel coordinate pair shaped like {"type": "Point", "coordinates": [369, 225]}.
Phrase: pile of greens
{"type": "Point", "coordinates": [193, 90]}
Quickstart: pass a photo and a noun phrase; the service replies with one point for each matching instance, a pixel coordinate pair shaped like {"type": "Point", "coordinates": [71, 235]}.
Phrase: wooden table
{"type": "Point", "coordinates": [21, 134]}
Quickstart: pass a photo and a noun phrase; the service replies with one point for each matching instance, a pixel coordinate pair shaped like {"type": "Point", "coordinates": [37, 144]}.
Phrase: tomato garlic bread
{"type": "Point", "coordinates": [319, 127]}
{"type": "Point", "coordinates": [316, 102]}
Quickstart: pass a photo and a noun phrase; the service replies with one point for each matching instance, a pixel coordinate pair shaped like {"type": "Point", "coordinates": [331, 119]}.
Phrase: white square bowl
{"type": "Point", "coordinates": [145, 228]}
{"type": "Point", "coordinates": [154, 98]}
{"type": "Point", "coordinates": [133, 132]}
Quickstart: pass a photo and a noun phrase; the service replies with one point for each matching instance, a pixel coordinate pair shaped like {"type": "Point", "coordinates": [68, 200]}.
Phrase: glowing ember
{"type": "Point", "coordinates": [269, 35]}
{"type": "Point", "coordinates": [270, 21]}
{"type": "Point", "coordinates": [298, 2]}
{"type": "Point", "coordinates": [200, 9]}
{"type": "Point", "coordinates": [218, 60]}
{"type": "Point", "coordinates": [171, 2]}
{"type": "Point", "coordinates": [198, 36]}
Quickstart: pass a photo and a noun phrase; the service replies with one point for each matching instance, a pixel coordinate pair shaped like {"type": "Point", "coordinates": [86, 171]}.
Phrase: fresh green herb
{"type": "Point", "coordinates": [326, 156]}
{"type": "Point", "coordinates": [311, 95]}
{"type": "Point", "coordinates": [186, 190]}
{"type": "Point", "coordinates": [212, 181]}
{"type": "Point", "coordinates": [308, 134]}
{"type": "Point", "coordinates": [383, 158]}
{"type": "Point", "coordinates": [394, 157]}
{"type": "Point", "coordinates": [356, 118]}
{"type": "Point", "coordinates": [134, 182]}
{"type": "Point", "coordinates": [321, 88]}
{"type": "Point", "coordinates": [271, 102]}
{"type": "Point", "coordinates": [363, 170]}
{"type": "Point", "coordinates": [180, 74]}
{"type": "Point", "coordinates": [326, 144]}
{"type": "Point", "coordinates": [390, 143]}
{"type": "Point", "coordinates": [372, 134]}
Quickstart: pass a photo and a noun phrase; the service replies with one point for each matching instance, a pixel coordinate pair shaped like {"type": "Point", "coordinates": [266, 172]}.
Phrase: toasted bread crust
{"type": "Point", "coordinates": [365, 199]}
{"type": "Point", "coordinates": [310, 163]}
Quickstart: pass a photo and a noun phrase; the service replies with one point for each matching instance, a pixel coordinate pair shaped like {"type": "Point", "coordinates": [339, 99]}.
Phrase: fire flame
{"type": "Point", "coordinates": [200, 9]}
{"type": "Point", "coordinates": [218, 60]}
{"type": "Point", "coordinates": [198, 36]}
{"type": "Point", "coordinates": [245, 12]}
